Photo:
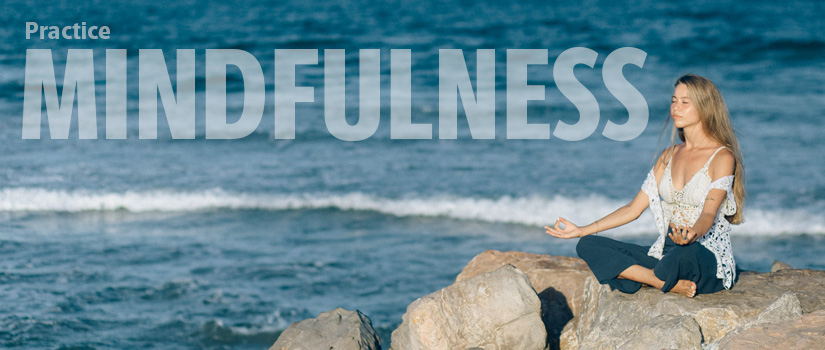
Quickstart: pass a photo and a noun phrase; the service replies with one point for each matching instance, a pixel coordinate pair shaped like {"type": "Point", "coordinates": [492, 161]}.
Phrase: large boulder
{"type": "Point", "coordinates": [806, 332]}
{"type": "Point", "coordinates": [608, 317]}
{"type": "Point", "coordinates": [494, 310]}
{"type": "Point", "coordinates": [561, 274]}
{"type": "Point", "coordinates": [337, 329]}
{"type": "Point", "coordinates": [558, 280]}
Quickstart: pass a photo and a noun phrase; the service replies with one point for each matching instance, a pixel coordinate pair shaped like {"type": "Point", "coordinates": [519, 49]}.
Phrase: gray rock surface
{"type": "Point", "coordinates": [665, 332]}
{"type": "Point", "coordinates": [337, 329]}
{"type": "Point", "coordinates": [805, 332]}
{"type": "Point", "coordinates": [493, 310]}
{"type": "Point", "coordinates": [608, 317]}
{"type": "Point", "coordinates": [558, 280]}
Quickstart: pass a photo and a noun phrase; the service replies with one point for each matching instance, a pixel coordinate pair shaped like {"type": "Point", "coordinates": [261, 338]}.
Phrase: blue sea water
{"type": "Point", "coordinates": [221, 244]}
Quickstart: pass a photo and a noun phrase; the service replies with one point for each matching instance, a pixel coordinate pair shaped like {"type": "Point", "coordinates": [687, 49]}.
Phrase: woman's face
{"type": "Point", "coordinates": [682, 109]}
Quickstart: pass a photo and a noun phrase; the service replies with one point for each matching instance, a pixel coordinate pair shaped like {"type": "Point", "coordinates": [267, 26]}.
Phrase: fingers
{"type": "Point", "coordinates": [553, 232]}
{"type": "Point", "coordinates": [674, 237]}
{"type": "Point", "coordinates": [684, 235]}
{"type": "Point", "coordinates": [559, 233]}
{"type": "Point", "coordinates": [680, 235]}
{"type": "Point", "coordinates": [691, 235]}
{"type": "Point", "coordinates": [562, 221]}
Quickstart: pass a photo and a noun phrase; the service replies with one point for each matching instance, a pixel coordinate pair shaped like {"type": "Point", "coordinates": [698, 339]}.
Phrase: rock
{"type": "Point", "coordinates": [806, 284]}
{"type": "Point", "coordinates": [569, 338]}
{"type": "Point", "coordinates": [559, 281]}
{"type": "Point", "coordinates": [778, 265]}
{"type": "Point", "coordinates": [806, 332]}
{"type": "Point", "coordinates": [563, 274]}
{"type": "Point", "coordinates": [785, 308]}
{"type": "Point", "coordinates": [494, 310]}
{"type": "Point", "coordinates": [607, 317]}
{"type": "Point", "coordinates": [665, 332]}
{"type": "Point", "coordinates": [337, 329]}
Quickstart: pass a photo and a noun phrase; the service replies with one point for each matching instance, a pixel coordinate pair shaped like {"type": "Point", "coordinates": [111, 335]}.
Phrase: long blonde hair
{"type": "Point", "coordinates": [715, 119]}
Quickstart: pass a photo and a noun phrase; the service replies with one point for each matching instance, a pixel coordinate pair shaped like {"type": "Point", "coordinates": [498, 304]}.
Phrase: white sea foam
{"type": "Point", "coordinates": [531, 211]}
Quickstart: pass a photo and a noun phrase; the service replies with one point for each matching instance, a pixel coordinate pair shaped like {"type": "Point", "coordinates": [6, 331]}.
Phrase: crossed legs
{"type": "Point", "coordinates": [646, 276]}
{"type": "Point", "coordinates": [626, 266]}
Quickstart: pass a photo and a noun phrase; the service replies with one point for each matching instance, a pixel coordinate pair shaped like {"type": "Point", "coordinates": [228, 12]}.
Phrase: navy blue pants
{"type": "Point", "coordinates": [607, 258]}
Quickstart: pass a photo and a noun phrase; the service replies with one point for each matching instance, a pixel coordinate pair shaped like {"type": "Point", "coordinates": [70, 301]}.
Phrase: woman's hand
{"type": "Point", "coordinates": [682, 235]}
{"type": "Point", "coordinates": [570, 230]}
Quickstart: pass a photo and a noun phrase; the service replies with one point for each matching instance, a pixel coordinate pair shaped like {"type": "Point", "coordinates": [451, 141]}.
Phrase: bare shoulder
{"type": "Point", "coordinates": [661, 162]}
{"type": "Point", "coordinates": [723, 164]}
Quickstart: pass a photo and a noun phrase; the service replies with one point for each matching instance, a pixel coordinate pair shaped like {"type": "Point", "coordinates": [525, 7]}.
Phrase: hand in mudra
{"type": "Point", "coordinates": [682, 235]}
{"type": "Point", "coordinates": [570, 229]}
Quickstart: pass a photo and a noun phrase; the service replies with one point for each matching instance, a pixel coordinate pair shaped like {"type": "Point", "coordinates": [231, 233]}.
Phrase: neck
{"type": "Point", "coordinates": [695, 137]}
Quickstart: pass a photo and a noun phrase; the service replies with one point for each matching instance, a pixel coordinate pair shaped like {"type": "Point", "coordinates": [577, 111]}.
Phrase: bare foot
{"type": "Point", "coordinates": [685, 287]}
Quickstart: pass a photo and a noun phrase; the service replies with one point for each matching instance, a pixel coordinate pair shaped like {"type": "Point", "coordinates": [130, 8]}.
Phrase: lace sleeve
{"type": "Point", "coordinates": [650, 188]}
{"type": "Point", "coordinates": [717, 240]}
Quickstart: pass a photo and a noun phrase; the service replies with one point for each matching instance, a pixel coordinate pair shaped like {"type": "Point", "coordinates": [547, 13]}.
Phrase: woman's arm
{"type": "Point", "coordinates": [619, 217]}
{"type": "Point", "coordinates": [712, 203]}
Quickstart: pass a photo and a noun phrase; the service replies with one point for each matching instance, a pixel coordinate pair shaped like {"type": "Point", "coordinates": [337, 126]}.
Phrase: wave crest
{"type": "Point", "coordinates": [531, 211]}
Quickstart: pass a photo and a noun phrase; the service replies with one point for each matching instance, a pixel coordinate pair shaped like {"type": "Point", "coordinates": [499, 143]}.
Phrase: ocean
{"type": "Point", "coordinates": [222, 244]}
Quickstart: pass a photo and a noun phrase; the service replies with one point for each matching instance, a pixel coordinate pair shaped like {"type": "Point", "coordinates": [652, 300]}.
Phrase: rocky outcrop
{"type": "Point", "coordinates": [493, 310]}
{"type": "Point", "coordinates": [608, 317]}
{"type": "Point", "coordinates": [558, 280]}
{"type": "Point", "coordinates": [494, 305]}
{"type": "Point", "coordinates": [337, 329]}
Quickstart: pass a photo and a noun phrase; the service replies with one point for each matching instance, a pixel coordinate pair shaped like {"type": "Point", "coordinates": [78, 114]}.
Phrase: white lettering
{"type": "Point", "coordinates": [481, 109]}
{"type": "Point", "coordinates": [518, 93]}
{"type": "Point", "coordinates": [401, 126]}
{"type": "Point", "coordinates": [153, 79]}
{"type": "Point", "coordinates": [39, 76]}
{"type": "Point", "coordinates": [254, 96]}
{"type": "Point", "coordinates": [369, 94]}
{"type": "Point", "coordinates": [286, 92]}
{"type": "Point", "coordinates": [577, 93]}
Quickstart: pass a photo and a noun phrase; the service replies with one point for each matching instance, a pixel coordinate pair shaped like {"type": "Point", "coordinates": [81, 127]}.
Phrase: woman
{"type": "Point", "coordinates": [693, 253]}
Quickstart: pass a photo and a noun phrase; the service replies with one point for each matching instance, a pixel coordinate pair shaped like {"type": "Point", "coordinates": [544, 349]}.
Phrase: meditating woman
{"type": "Point", "coordinates": [701, 184]}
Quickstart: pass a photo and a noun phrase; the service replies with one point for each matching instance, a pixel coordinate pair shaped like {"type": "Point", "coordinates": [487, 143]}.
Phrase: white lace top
{"type": "Point", "coordinates": [683, 207]}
